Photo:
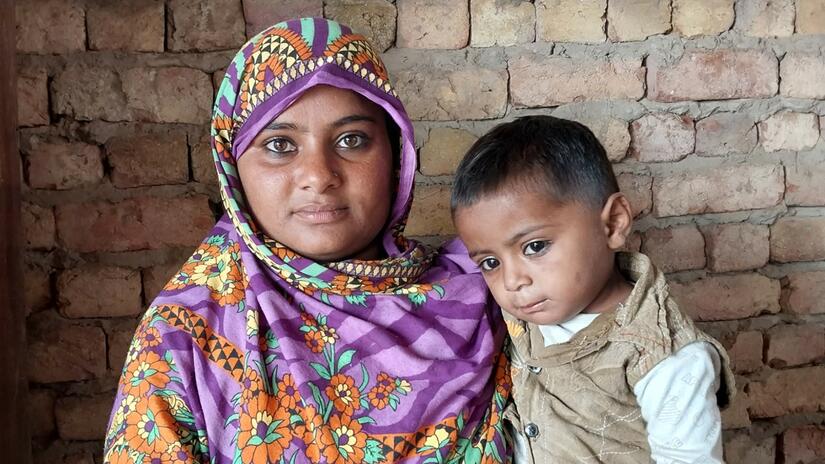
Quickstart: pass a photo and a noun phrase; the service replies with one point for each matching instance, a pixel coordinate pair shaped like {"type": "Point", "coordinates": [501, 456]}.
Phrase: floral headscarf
{"type": "Point", "coordinates": [255, 354]}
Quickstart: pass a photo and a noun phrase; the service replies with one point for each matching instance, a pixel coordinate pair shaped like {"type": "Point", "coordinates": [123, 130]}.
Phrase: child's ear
{"type": "Point", "coordinates": [617, 218]}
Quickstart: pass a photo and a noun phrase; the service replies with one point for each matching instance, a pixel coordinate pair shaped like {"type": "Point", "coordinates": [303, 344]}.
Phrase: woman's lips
{"type": "Point", "coordinates": [321, 214]}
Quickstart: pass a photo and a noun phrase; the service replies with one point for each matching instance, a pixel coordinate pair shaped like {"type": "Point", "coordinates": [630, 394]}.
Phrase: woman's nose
{"type": "Point", "coordinates": [318, 170]}
{"type": "Point", "coordinates": [515, 278]}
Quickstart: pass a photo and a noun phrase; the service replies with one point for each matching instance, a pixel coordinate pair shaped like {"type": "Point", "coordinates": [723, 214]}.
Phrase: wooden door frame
{"type": "Point", "coordinates": [14, 430]}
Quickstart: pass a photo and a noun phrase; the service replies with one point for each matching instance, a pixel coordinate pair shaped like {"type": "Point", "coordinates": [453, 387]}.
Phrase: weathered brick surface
{"type": "Point", "coordinates": [134, 224]}
{"type": "Point", "coordinates": [550, 81]}
{"type": "Point", "coordinates": [736, 247]}
{"type": "Point", "coordinates": [62, 352]}
{"type": "Point", "coordinates": [433, 24]}
{"type": "Point", "coordinates": [38, 226]}
{"type": "Point", "coordinates": [637, 19]}
{"type": "Point", "coordinates": [725, 133]}
{"type": "Point", "coordinates": [373, 18]}
{"type": "Point", "coordinates": [99, 291]}
{"type": "Point", "coordinates": [172, 94]}
{"type": "Point", "coordinates": [443, 95]}
{"type": "Point", "coordinates": [765, 18]}
{"type": "Point", "coordinates": [788, 391]}
{"type": "Point", "coordinates": [148, 160]}
{"type": "Point", "coordinates": [788, 130]}
{"type": "Point", "coordinates": [201, 26]}
{"type": "Point", "coordinates": [795, 345]}
{"type": "Point", "coordinates": [661, 137]}
{"type": "Point", "coordinates": [260, 14]}
{"type": "Point", "coordinates": [36, 287]}
{"type": "Point", "coordinates": [804, 293]}
{"type": "Point", "coordinates": [810, 17]}
{"type": "Point", "coordinates": [803, 445]}
{"type": "Point", "coordinates": [51, 26]}
{"type": "Point", "coordinates": [736, 416]}
{"type": "Point", "coordinates": [136, 26]}
{"type": "Point", "coordinates": [430, 214]}
{"type": "Point", "coordinates": [497, 22]}
{"type": "Point", "coordinates": [570, 20]}
{"type": "Point", "coordinates": [728, 297]}
{"type": "Point", "coordinates": [746, 352]}
{"type": "Point", "coordinates": [702, 17]}
{"type": "Point", "coordinates": [798, 73]}
{"type": "Point", "coordinates": [156, 277]}
{"type": "Point", "coordinates": [713, 75]}
{"type": "Point", "coordinates": [613, 133]}
{"type": "Point", "coordinates": [444, 149]}
{"type": "Point", "coordinates": [40, 415]}
{"type": "Point", "coordinates": [83, 418]}
{"type": "Point", "coordinates": [717, 190]}
{"type": "Point", "coordinates": [32, 98]}
{"type": "Point", "coordinates": [633, 242]}
{"type": "Point", "coordinates": [637, 188]}
{"type": "Point", "coordinates": [798, 239]}
{"type": "Point", "coordinates": [675, 248]}
{"type": "Point", "coordinates": [60, 165]}
{"type": "Point", "coordinates": [203, 165]}
{"type": "Point", "coordinates": [743, 448]}
{"type": "Point", "coordinates": [87, 93]}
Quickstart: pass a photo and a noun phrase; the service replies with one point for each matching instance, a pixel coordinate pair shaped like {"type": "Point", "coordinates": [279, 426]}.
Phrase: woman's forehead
{"type": "Point", "coordinates": [327, 103]}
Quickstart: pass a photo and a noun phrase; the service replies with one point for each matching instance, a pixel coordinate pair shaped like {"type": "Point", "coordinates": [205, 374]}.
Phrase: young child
{"type": "Point", "coordinates": [606, 367]}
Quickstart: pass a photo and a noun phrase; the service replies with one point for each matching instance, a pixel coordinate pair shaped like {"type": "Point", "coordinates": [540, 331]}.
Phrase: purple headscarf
{"type": "Point", "coordinates": [255, 354]}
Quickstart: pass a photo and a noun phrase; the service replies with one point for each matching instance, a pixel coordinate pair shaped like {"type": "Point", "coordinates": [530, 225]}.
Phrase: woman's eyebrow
{"type": "Point", "coordinates": [275, 125]}
{"type": "Point", "coordinates": [352, 118]}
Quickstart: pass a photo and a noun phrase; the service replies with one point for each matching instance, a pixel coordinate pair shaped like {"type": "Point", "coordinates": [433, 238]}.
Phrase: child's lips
{"type": "Point", "coordinates": [532, 307]}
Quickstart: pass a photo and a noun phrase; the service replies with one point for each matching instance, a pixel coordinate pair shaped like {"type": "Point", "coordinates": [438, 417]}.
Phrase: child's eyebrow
{"type": "Point", "coordinates": [518, 236]}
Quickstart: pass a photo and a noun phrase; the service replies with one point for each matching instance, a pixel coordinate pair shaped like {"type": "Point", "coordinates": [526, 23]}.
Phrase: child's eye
{"type": "Point", "coordinates": [351, 141]}
{"type": "Point", "coordinates": [536, 247]}
{"type": "Point", "coordinates": [488, 264]}
{"type": "Point", "coordinates": [280, 145]}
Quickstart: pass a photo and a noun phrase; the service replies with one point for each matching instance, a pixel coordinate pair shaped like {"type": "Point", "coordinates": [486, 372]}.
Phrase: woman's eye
{"type": "Point", "coordinates": [536, 247]}
{"type": "Point", "coordinates": [488, 264]}
{"type": "Point", "coordinates": [280, 145]}
{"type": "Point", "coordinates": [351, 141]}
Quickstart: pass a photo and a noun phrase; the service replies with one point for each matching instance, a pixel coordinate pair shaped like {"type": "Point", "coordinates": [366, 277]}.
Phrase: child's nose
{"type": "Point", "coordinates": [515, 278]}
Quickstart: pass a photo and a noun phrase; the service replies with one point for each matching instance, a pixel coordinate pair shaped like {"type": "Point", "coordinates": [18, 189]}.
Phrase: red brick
{"type": "Point", "coordinates": [37, 292]}
{"type": "Point", "coordinates": [87, 93]}
{"type": "Point", "coordinates": [38, 226]}
{"type": "Point", "coordinates": [718, 298]}
{"type": "Point", "coordinates": [744, 448]}
{"type": "Point", "coordinates": [148, 160]}
{"type": "Point", "coordinates": [713, 75]}
{"type": "Point", "coordinates": [802, 445]}
{"type": "Point", "coordinates": [702, 17]}
{"type": "Point", "coordinates": [718, 190]}
{"type": "Point", "coordinates": [60, 165]}
{"type": "Point", "coordinates": [550, 81]}
{"type": "Point", "coordinates": [798, 239]}
{"type": "Point", "coordinates": [789, 131]}
{"type": "Point", "coordinates": [724, 133]}
{"type": "Point", "coordinates": [50, 26]}
{"type": "Point", "coordinates": [746, 352]}
{"type": "Point", "coordinates": [63, 352]}
{"type": "Point", "coordinates": [430, 213]}
{"type": "Point", "coordinates": [195, 25]}
{"type": "Point", "coordinates": [736, 247]}
{"type": "Point", "coordinates": [203, 165]}
{"type": "Point", "coordinates": [570, 20]}
{"type": "Point", "coordinates": [661, 137]}
{"type": "Point", "coordinates": [134, 224]}
{"type": "Point", "coordinates": [99, 291]}
{"type": "Point", "coordinates": [788, 391]}
{"type": "Point", "coordinates": [260, 14]}
{"type": "Point", "coordinates": [637, 189]}
{"type": "Point", "coordinates": [61, 452]}
{"type": "Point", "coordinates": [118, 340]}
{"type": "Point", "coordinates": [375, 19]}
{"type": "Point", "coordinates": [798, 72]}
{"type": "Point", "coordinates": [675, 248]}
{"type": "Point", "coordinates": [169, 94]}
{"type": "Point", "coordinates": [40, 405]}
{"type": "Point", "coordinates": [433, 24]}
{"type": "Point", "coordinates": [156, 277]}
{"type": "Point", "coordinates": [803, 184]}
{"type": "Point", "coordinates": [502, 23]}
{"type": "Point", "coordinates": [795, 345]}
{"type": "Point", "coordinates": [637, 19]}
{"type": "Point", "coordinates": [444, 149]}
{"type": "Point", "coordinates": [765, 18]}
{"type": "Point", "coordinates": [633, 242]}
{"type": "Point", "coordinates": [810, 17]}
{"type": "Point", "coordinates": [735, 416]}
{"type": "Point", "coordinates": [136, 26]}
{"type": "Point", "coordinates": [83, 418]}
{"type": "Point", "coordinates": [32, 98]}
{"type": "Point", "coordinates": [804, 293]}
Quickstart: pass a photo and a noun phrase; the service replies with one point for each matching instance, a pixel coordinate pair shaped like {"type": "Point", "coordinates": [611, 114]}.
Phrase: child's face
{"type": "Point", "coordinates": [544, 261]}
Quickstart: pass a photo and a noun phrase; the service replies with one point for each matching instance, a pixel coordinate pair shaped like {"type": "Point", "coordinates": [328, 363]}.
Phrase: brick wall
{"type": "Point", "coordinates": [710, 109]}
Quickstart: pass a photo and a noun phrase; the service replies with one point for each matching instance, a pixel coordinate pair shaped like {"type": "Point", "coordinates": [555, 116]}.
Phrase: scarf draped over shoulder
{"type": "Point", "coordinates": [253, 353]}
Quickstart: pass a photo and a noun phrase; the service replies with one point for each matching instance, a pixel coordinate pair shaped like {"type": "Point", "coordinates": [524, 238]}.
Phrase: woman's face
{"type": "Point", "coordinates": [318, 177]}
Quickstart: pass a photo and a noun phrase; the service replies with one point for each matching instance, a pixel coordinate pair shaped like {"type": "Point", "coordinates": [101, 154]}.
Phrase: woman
{"type": "Point", "coordinates": [306, 328]}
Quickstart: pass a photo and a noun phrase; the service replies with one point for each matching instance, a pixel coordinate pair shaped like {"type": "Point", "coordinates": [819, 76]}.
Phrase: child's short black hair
{"type": "Point", "coordinates": [562, 156]}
